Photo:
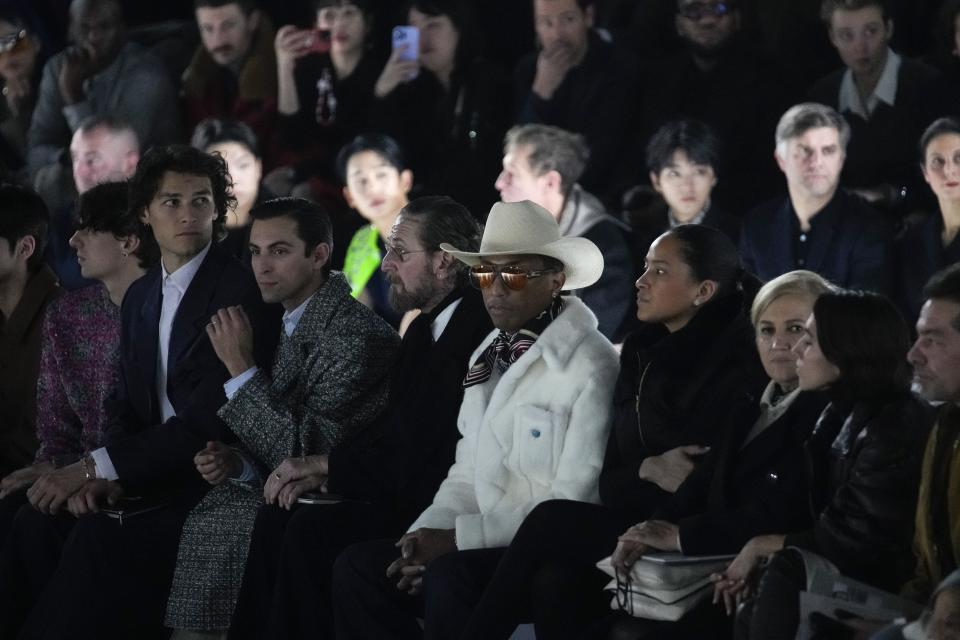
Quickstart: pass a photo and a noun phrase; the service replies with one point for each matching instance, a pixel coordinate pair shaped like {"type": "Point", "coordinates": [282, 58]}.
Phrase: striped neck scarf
{"type": "Point", "coordinates": [506, 349]}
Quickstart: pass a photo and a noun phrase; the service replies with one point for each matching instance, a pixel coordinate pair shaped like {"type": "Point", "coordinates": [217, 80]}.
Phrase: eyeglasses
{"type": "Point", "coordinates": [696, 10]}
{"type": "Point", "coordinates": [402, 253]}
{"type": "Point", "coordinates": [13, 41]}
{"type": "Point", "coordinates": [514, 277]}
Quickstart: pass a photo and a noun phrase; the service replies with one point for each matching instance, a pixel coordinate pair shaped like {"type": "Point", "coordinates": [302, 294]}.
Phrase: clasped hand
{"type": "Point", "coordinates": [418, 549]}
{"type": "Point", "coordinates": [645, 536]}
{"type": "Point", "coordinates": [671, 468]}
{"type": "Point", "coordinates": [294, 477]}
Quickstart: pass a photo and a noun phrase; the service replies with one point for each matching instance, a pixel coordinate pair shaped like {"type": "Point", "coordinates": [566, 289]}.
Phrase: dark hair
{"type": "Point", "coordinates": [443, 219]}
{"type": "Point", "coordinates": [380, 143]}
{"type": "Point", "coordinates": [365, 6]}
{"type": "Point", "coordinates": [23, 213]}
{"type": "Point", "coordinates": [711, 255]}
{"type": "Point", "coordinates": [104, 208]}
{"type": "Point", "coordinates": [180, 158]}
{"type": "Point", "coordinates": [220, 130]}
{"type": "Point", "coordinates": [945, 285]}
{"type": "Point", "coordinates": [946, 27]}
{"type": "Point", "coordinates": [938, 127]}
{"type": "Point", "coordinates": [828, 7]}
{"type": "Point", "coordinates": [248, 6]}
{"type": "Point", "coordinates": [863, 334]}
{"type": "Point", "coordinates": [461, 14]}
{"type": "Point", "coordinates": [312, 221]}
{"type": "Point", "coordinates": [697, 140]}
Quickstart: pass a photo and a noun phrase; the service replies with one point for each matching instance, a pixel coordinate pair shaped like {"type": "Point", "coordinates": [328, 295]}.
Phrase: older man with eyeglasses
{"type": "Point", "coordinates": [534, 421]}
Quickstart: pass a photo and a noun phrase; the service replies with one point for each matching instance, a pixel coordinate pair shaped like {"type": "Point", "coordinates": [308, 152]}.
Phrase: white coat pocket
{"type": "Point", "coordinates": [538, 436]}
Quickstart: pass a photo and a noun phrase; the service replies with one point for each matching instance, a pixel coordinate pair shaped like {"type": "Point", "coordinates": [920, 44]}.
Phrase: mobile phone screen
{"type": "Point", "coordinates": [407, 39]}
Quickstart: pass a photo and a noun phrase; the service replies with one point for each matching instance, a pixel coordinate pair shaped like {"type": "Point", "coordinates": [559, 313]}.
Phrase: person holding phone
{"type": "Point", "coordinates": [325, 76]}
{"type": "Point", "coordinates": [446, 106]}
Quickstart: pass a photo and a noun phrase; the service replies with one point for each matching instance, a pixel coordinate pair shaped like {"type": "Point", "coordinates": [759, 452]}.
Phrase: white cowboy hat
{"type": "Point", "coordinates": [526, 228]}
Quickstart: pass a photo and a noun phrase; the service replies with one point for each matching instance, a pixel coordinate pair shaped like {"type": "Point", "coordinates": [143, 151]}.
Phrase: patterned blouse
{"type": "Point", "coordinates": [79, 368]}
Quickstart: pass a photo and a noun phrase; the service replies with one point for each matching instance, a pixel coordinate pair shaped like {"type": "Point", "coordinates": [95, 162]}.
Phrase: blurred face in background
{"type": "Point", "coordinates": [812, 162]}
{"type": "Point", "coordinates": [685, 186]}
{"type": "Point", "coordinates": [861, 37]}
{"type": "Point", "coordinates": [347, 26]}
{"type": "Point", "coordinates": [438, 41]}
{"type": "Point", "coordinates": [18, 53]}
{"type": "Point", "coordinates": [376, 188]}
{"type": "Point", "coordinates": [101, 155]}
{"type": "Point", "coordinates": [245, 170]}
{"type": "Point", "coordinates": [941, 166]}
{"type": "Point", "coordinates": [227, 33]}
{"type": "Point", "coordinates": [563, 24]}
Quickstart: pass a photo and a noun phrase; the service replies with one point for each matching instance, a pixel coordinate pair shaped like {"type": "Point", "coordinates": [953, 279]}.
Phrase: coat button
{"type": "Point", "coordinates": [535, 433]}
{"type": "Point", "coordinates": [773, 476]}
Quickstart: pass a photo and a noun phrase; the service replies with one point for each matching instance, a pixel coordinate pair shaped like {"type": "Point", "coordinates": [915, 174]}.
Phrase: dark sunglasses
{"type": "Point", "coordinates": [514, 278]}
{"type": "Point", "coordinates": [12, 41]}
{"type": "Point", "coordinates": [697, 10]}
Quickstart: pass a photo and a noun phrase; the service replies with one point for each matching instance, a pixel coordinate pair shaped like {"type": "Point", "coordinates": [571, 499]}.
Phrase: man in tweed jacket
{"type": "Point", "coordinates": [328, 382]}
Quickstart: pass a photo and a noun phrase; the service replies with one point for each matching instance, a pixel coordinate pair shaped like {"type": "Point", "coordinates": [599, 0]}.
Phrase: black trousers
{"type": "Point", "coordinates": [8, 511]}
{"type": "Point", "coordinates": [774, 612]}
{"type": "Point", "coordinates": [367, 604]}
{"type": "Point", "coordinates": [286, 585]}
{"type": "Point", "coordinates": [548, 575]}
{"type": "Point", "coordinates": [113, 579]}
{"type": "Point", "coordinates": [28, 559]}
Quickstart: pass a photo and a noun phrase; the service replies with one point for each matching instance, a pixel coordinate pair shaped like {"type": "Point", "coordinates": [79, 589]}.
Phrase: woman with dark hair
{"type": "Point", "coordinates": [236, 143]}
{"type": "Point", "coordinates": [682, 158]}
{"type": "Point", "coordinates": [80, 357]}
{"type": "Point", "coordinates": [681, 376]}
{"type": "Point", "coordinates": [325, 77]}
{"type": "Point", "coordinates": [932, 242]}
{"type": "Point", "coordinates": [449, 108]}
{"type": "Point", "coordinates": [864, 459]}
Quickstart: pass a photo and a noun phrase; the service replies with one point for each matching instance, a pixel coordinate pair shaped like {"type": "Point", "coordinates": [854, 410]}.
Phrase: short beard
{"type": "Point", "coordinates": [403, 300]}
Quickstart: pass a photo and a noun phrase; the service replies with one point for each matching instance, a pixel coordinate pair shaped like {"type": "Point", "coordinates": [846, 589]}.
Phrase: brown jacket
{"type": "Point", "coordinates": [19, 368]}
{"type": "Point", "coordinates": [926, 541]}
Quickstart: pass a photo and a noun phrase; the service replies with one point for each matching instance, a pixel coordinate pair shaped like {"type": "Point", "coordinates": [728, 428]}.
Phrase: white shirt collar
{"type": "Point", "coordinates": [440, 323]}
{"type": "Point", "coordinates": [182, 277]}
{"type": "Point", "coordinates": [885, 91]}
{"type": "Point", "coordinates": [291, 319]}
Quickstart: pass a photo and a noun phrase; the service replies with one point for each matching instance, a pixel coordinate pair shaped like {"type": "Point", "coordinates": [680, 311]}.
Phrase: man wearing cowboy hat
{"type": "Point", "coordinates": [534, 420]}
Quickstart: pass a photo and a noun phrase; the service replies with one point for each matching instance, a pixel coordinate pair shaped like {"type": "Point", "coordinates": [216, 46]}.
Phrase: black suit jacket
{"type": "Point", "coordinates": [151, 456]}
{"type": "Point", "coordinates": [418, 433]}
{"type": "Point", "coordinates": [849, 244]}
{"type": "Point", "coordinates": [744, 491]}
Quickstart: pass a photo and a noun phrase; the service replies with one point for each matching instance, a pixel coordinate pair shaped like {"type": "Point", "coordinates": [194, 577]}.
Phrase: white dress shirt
{"type": "Point", "coordinates": [885, 91]}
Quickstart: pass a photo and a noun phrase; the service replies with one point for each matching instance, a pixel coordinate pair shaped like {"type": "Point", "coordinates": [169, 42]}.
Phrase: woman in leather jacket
{"type": "Point", "coordinates": [864, 461]}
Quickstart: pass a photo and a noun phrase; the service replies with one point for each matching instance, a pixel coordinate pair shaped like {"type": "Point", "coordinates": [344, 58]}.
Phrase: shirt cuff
{"type": "Point", "coordinates": [231, 386]}
{"type": "Point", "coordinates": [249, 472]}
{"type": "Point", "coordinates": [103, 465]}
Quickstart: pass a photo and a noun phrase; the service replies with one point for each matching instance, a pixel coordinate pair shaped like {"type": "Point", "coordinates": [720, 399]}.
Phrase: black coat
{"type": "Point", "coordinates": [749, 490]}
{"type": "Point", "coordinates": [405, 465]}
{"type": "Point", "coordinates": [920, 254]}
{"type": "Point", "coordinates": [146, 453]}
{"type": "Point", "coordinates": [864, 470]}
{"type": "Point", "coordinates": [848, 244]}
{"type": "Point", "coordinates": [676, 389]}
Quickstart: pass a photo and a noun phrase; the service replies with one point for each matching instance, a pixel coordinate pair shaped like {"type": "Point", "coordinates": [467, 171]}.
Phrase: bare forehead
{"type": "Point", "coordinates": [183, 183]}
{"type": "Point", "coordinates": [816, 138]}
{"type": "Point", "coordinates": [405, 229]}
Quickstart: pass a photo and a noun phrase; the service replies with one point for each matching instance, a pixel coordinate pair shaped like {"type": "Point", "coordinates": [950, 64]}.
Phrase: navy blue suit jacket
{"type": "Point", "coordinates": [849, 244]}
{"type": "Point", "coordinates": [147, 454]}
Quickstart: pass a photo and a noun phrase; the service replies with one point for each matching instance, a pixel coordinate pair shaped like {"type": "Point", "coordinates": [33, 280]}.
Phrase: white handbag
{"type": "Point", "coordinates": [662, 586]}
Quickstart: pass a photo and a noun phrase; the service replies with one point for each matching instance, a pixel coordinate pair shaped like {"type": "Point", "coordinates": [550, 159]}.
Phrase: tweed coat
{"type": "Point", "coordinates": [329, 380]}
{"type": "Point", "coordinates": [536, 433]}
